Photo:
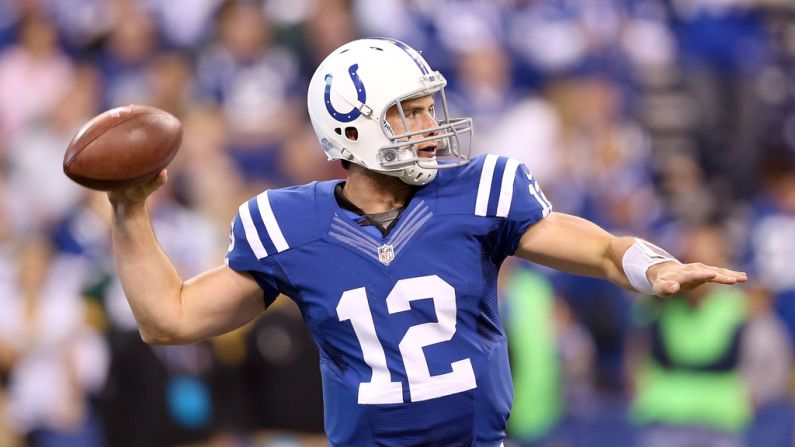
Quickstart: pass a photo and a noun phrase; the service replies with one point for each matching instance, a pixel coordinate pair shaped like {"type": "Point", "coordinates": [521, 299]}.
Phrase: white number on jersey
{"type": "Point", "coordinates": [422, 385]}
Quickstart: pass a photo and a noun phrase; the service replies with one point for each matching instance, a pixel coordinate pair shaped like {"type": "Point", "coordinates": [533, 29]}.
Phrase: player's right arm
{"type": "Point", "coordinates": [530, 230]}
{"type": "Point", "coordinates": [167, 309]}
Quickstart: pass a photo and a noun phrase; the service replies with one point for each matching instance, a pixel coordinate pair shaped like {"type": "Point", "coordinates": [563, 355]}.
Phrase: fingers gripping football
{"type": "Point", "coordinates": [671, 278]}
{"type": "Point", "coordinates": [137, 194]}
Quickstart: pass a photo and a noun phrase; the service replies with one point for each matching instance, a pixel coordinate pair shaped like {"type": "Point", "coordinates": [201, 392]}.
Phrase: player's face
{"type": "Point", "coordinates": [418, 114]}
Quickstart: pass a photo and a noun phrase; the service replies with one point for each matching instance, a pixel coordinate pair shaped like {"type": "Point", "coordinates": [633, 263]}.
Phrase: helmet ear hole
{"type": "Point", "coordinates": [351, 133]}
{"type": "Point", "coordinates": [338, 131]}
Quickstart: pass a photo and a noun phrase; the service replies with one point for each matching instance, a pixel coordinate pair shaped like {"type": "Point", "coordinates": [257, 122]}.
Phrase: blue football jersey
{"type": "Point", "coordinates": [412, 351]}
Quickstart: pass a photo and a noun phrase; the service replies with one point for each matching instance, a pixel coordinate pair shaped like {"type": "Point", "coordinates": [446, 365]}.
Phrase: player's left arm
{"type": "Point", "coordinates": [574, 245]}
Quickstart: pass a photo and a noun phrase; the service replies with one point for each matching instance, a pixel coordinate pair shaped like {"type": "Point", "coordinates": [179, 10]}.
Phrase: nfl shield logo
{"type": "Point", "coordinates": [386, 254]}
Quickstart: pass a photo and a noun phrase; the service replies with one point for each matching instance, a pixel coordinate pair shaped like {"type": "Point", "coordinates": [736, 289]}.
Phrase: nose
{"type": "Point", "coordinates": [430, 122]}
{"type": "Point", "coordinates": [428, 148]}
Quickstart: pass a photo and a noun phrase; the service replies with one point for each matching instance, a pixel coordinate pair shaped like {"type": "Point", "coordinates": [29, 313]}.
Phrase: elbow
{"type": "Point", "coordinates": [159, 340]}
{"type": "Point", "coordinates": [161, 337]}
{"type": "Point", "coordinates": [162, 329]}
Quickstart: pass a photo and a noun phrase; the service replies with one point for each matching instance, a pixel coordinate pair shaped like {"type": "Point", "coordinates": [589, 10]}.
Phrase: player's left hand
{"type": "Point", "coordinates": [670, 278]}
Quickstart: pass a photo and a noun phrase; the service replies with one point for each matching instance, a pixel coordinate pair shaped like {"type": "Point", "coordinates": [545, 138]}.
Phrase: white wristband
{"type": "Point", "coordinates": [636, 262]}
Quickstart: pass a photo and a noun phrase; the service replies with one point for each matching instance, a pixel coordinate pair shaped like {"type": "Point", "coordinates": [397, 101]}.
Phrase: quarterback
{"type": "Point", "coordinates": [395, 267]}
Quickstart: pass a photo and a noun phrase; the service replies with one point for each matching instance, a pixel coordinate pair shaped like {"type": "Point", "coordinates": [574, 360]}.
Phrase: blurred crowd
{"type": "Point", "coordinates": [669, 119]}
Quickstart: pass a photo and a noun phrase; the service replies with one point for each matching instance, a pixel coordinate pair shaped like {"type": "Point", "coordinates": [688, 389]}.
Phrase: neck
{"type": "Point", "coordinates": [375, 193]}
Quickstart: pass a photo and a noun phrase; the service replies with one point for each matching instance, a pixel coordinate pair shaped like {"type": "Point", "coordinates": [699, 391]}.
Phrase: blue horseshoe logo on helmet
{"type": "Point", "coordinates": [361, 95]}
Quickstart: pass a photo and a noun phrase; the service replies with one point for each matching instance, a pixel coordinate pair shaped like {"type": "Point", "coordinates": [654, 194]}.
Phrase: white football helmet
{"type": "Point", "coordinates": [350, 94]}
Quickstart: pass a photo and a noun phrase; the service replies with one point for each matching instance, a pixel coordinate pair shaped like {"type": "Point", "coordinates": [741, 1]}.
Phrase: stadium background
{"type": "Point", "coordinates": [670, 119]}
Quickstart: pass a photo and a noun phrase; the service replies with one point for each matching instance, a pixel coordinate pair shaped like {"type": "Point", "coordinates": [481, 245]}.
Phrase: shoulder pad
{"type": "Point", "coordinates": [279, 219]}
{"type": "Point", "coordinates": [482, 187]}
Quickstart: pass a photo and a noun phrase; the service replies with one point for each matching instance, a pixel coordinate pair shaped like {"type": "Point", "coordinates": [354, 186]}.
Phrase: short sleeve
{"type": "Point", "coordinates": [522, 204]}
{"type": "Point", "coordinates": [242, 257]}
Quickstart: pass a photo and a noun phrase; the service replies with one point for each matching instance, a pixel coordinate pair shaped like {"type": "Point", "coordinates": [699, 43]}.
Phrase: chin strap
{"type": "Point", "coordinates": [417, 176]}
{"type": "Point", "coordinates": [362, 107]}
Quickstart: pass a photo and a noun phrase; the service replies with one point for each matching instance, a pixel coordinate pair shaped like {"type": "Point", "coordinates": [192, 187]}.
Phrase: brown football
{"type": "Point", "coordinates": [122, 147]}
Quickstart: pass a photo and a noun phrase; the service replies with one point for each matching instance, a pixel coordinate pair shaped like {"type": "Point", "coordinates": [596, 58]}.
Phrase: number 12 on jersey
{"type": "Point", "coordinates": [381, 389]}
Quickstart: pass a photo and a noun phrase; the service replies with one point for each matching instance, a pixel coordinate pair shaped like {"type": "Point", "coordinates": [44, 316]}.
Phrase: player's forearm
{"type": "Point", "coordinates": [150, 281]}
{"type": "Point", "coordinates": [613, 268]}
{"type": "Point", "coordinates": [575, 245]}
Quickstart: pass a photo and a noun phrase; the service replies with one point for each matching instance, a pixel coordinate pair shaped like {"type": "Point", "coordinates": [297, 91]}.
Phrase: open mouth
{"type": "Point", "coordinates": [427, 152]}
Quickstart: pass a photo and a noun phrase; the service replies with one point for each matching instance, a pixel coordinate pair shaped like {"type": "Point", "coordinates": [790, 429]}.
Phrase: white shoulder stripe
{"type": "Point", "coordinates": [271, 225]}
{"type": "Point", "coordinates": [506, 189]}
{"type": "Point", "coordinates": [484, 187]}
{"type": "Point", "coordinates": [251, 232]}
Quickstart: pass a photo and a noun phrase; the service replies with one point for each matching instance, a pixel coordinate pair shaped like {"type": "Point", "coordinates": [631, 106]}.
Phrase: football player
{"type": "Point", "coordinates": [395, 267]}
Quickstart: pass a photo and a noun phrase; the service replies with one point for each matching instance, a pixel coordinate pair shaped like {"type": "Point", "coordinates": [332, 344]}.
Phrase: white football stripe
{"type": "Point", "coordinates": [270, 222]}
{"type": "Point", "coordinates": [484, 188]}
{"type": "Point", "coordinates": [506, 189]}
{"type": "Point", "coordinates": [251, 232]}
